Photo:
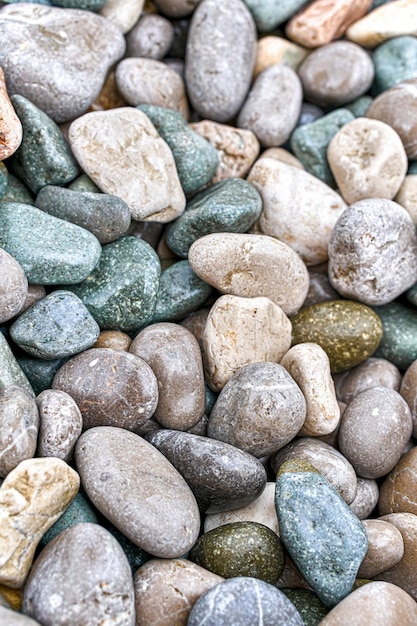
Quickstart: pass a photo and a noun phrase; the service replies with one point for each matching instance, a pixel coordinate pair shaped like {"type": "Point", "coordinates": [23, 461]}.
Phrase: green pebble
{"type": "Point", "coordinates": [309, 606]}
{"type": "Point", "coordinates": [395, 60]}
{"type": "Point", "coordinates": [121, 293]}
{"type": "Point", "coordinates": [240, 549]}
{"type": "Point", "coordinates": [50, 250]}
{"type": "Point", "coordinates": [196, 159]}
{"type": "Point", "coordinates": [16, 191]}
{"type": "Point", "coordinates": [399, 339]}
{"type": "Point", "coordinates": [39, 372]}
{"type": "Point", "coordinates": [268, 14]}
{"type": "Point", "coordinates": [360, 106]}
{"type": "Point", "coordinates": [84, 183]}
{"type": "Point", "coordinates": [11, 374]}
{"type": "Point", "coordinates": [181, 292]}
{"type": "Point", "coordinates": [349, 332]}
{"type": "Point", "coordinates": [310, 141]}
{"type": "Point", "coordinates": [230, 206]}
{"type": "Point", "coordinates": [4, 175]}
{"type": "Point", "coordinates": [78, 512]}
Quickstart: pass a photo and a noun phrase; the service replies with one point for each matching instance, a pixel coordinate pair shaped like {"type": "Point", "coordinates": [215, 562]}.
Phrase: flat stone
{"type": "Point", "coordinates": [398, 492]}
{"type": "Point", "coordinates": [399, 338]}
{"type": "Point", "coordinates": [124, 155]}
{"type": "Point", "coordinates": [162, 517]}
{"type": "Point", "coordinates": [221, 476]}
{"type": "Point", "coordinates": [395, 60]}
{"type": "Point", "coordinates": [325, 539]}
{"type": "Point", "coordinates": [39, 64]}
{"type": "Point", "coordinates": [32, 496]}
{"type": "Point", "coordinates": [385, 548]}
{"type": "Point", "coordinates": [407, 196]}
{"type": "Point", "coordinates": [118, 388]}
{"type": "Point", "coordinates": [269, 14]}
{"type": "Point", "coordinates": [59, 590]}
{"type": "Point", "coordinates": [13, 286]}
{"type": "Point", "coordinates": [12, 618]}
{"type": "Point", "coordinates": [371, 373]}
{"type": "Point", "coordinates": [259, 410]}
{"type": "Point", "coordinates": [384, 22]}
{"type": "Point", "coordinates": [10, 126]}
{"type": "Point", "coordinates": [19, 425]}
{"type": "Point", "coordinates": [60, 424]}
{"type": "Point", "coordinates": [11, 374]}
{"type": "Point", "coordinates": [366, 499]}
{"type": "Point", "coordinates": [114, 339]}
{"type": "Point", "coordinates": [122, 13]}
{"type": "Point", "coordinates": [273, 50]}
{"type": "Point", "coordinates": [151, 37]}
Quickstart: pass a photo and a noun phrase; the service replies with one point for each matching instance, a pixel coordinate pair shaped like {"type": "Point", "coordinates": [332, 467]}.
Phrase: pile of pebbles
{"type": "Point", "coordinates": [208, 346]}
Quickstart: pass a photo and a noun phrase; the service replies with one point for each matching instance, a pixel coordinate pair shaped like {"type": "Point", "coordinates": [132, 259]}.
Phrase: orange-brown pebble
{"type": "Point", "coordinates": [114, 339]}
{"type": "Point", "coordinates": [12, 596]}
{"type": "Point", "coordinates": [398, 492]}
{"type": "Point", "coordinates": [10, 126]}
{"type": "Point", "coordinates": [109, 96]}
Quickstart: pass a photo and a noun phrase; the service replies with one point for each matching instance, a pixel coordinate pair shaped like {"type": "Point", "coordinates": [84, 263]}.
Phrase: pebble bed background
{"type": "Point", "coordinates": [208, 291]}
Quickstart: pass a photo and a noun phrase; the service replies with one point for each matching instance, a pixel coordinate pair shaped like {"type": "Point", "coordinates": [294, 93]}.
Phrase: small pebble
{"type": "Point", "coordinates": [60, 424]}
{"type": "Point", "coordinates": [19, 426]}
{"type": "Point", "coordinates": [385, 548]}
{"type": "Point", "coordinates": [407, 196]}
{"type": "Point", "coordinates": [177, 8]}
{"type": "Point", "coordinates": [122, 13]}
{"type": "Point", "coordinates": [114, 339]}
{"type": "Point", "coordinates": [398, 492]}
{"type": "Point", "coordinates": [150, 38]}
{"type": "Point", "coordinates": [319, 290]}
{"type": "Point", "coordinates": [408, 391]}
{"type": "Point", "coordinates": [13, 287]}
{"type": "Point", "coordinates": [269, 14]}
{"type": "Point", "coordinates": [371, 373]}
{"type": "Point", "coordinates": [10, 125]}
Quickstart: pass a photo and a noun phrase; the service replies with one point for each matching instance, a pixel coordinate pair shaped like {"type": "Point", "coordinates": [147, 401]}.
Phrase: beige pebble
{"type": "Point", "coordinates": [13, 285]}
{"type": "Point", "coordinates": [407, 196]}
{"type": "Point", "coordinates": [398, 492]}
{"type": "Point", "coordinates": [19, 426]}
{"type": "Point", "coordinates": [123, 13]}
{"type": "Point", "coordinates": [10, 126]}
{"type": "Point", "coordinates": [303, 213]}
{"type": "Point", "coordinates": [309, 365]}
{"type": "Point", "coordinates": [239, 331]}
{"type": "Point", "coordinates": [366, 499]}
{"type": "Point", "coordinates": [404, 574]}
{"type": "Point", "coordinates": [124, 155]}
{"type": "Point", "coordinates": [35, 293]}
{"type": "Point", "coordinates": [371, 373]}
{"type": "Point", "coordinates": [32, 497]}
{"type": "Point", "coordinates": [368, 160]}
{"type": "Point", "coordinates": [283, 155]}
{"type": "Point", "coordinates": [61, 424]}
{"type": "Point", "coordinates": [385, 548]}
{"type": "Point", "coordinates": [392, 19]}
{"type": "Point", "coordinates": [408, 390]}
{"type": "Point", "coordinates": [273, 50]}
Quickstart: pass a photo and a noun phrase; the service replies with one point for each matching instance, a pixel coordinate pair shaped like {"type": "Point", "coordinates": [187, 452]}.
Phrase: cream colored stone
{"type": "Point", "coordinates": [239, 331]}
{"type": "Point", "coordinates": [277, 51]}
{"type": "Point", "coordinates": [32, 497]}
{"type": "Point", "coordinates": [123, 13]}
{"type": "Point", "coordinates": [251, 266]}
{"type": "Point", "coordinates": [385, 548]}
{"type": "Point", "coordinates": [368, 160]}
{"type": "Point", "coordinates": [407, 196]}
{"type": "Point", "coordinates": [298, 208]}
{"type": "Point", "coordinates": [283, 155]}
{"type": "Point", "coordinates": [121, 151]}
{"type": "Point", "coordinates": [392, 19]}
{"type": "Point", "coordinates": [10, 126]}
{"type": "Point", "coordinates": [309, 365]}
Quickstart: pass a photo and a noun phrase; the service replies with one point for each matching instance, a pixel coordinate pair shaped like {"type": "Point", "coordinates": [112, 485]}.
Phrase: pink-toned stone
{"type": "Point", "coordinates": [10, 126]}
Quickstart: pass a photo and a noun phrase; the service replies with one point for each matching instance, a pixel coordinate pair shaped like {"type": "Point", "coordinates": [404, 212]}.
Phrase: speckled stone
{"type": "Point", "coordinates": [325, 539]}
{"type": "Point", "coordinates": [385, 22]}
{"type": "Point", "coordinates": [4, 176]}
{"type": "Point", "coordinates": [111, 387]}
{"type": "Point", "coordinates": [162, 517]}
{"type": "Point", "coordinates": [398, 492]}
{"type": "Point", "coordinates": [114, 339]}
{"type": "Point", "coordinates": [366, 499]}
{"type": "Point", "coordinates": [269, 14]}
{"type": "Point", "coordinates": [11, 374]}
{"type": "Point", "coordinates": [91, 5]}
{"type": "Point", "coordinates": [12, 618]}
{"type": "Point", "coordinates": [10, 125]}
{"type": "Point", "coordinates": [19, 425]}
{"type": "Point", "coordinates": [61, 79]}
{"type": "Point", "coordinates": [84, 183]}
{"type": "Point", "coordinates": [395, 60]}
{"type": "Point", "coordinates": [60, 424]}
{"type": "Point", "coordinates": [385, 548]}
{"type": "Point", "coordinates": [151, 37]}
{"type": "Point", "coordinates": [39, 372]}
{"type": "Point", "coordinates": [107, 217]}
{"type": "Point", "coordinates": [244, 601]}
{"type": "Point", "coordinates": [104, 583]}
{"type": "Point", "coordinates": [371, 373]}
{"type": "Point", "coordinates": [78, 512]}
{"type": "Point", "coordinates": [51, 251]}
{"type": "Point", "coordinates": [273, 50]}
{"type": "Point", "coordinates": [121, 293]}
{"type": "Point", "coordinates": [349, 332]}
{"type": "Point", "coordinates": [259, 410]}
{"type": "Point", "coordinates": [13, 286]}
{"type": "Point", "coordinates": [399, 338]}
{"type": "Point", "coordinates": [195, 158]}
{"type": "Point", "coordinates": [221, 476]}
{"type": "Point", "coordinates": [310, 607]}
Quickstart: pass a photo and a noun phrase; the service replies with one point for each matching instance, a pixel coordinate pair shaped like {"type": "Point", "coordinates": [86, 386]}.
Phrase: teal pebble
{"type": "Point", "coordinates": [135, 555]}
{"type": "Point", "coordinates": [84, 183]}
{"type": "Point", "coordinates": [268, 14]}
{"type": "Point", "coordinates": [399, 336]}
{"type": "Point", "coordinates": [230, 206]}
{"type": "Point", "coordinates": [90, 5]}
{"type": "Point", "coordinates": [43, 157]}
{"type": "Point", "coordinates": [181, 292]}
{"type": "Point", "coordinates": [121, 293]}
{"type": "Point", "coordinates": [4, 175]}
{"type": "Point", "coordinates": [47, 2]}
{"type": "Point", "coordinates": [378, 3]}
{"type": "Point", "coordinates": [309, 606]}
{"type": "Point", "coordinates": [395, 60]}
{"type": "Point", "coordinates": [16, 191]}
{"type": "Point", "coordinates": [78, 512]}
{"type": "Point", "coordinates": [412, 167]}
{"type": "Point", "coordinates": [11, 374]}
{"type": "Point", "coordinates": [360, 106]}
{"type": "Point", "coordinates": [196, 159]}
{"type": "Point", "coordinates": [50, 250]}
{"type": "Point", "coordinates": [39, 372]}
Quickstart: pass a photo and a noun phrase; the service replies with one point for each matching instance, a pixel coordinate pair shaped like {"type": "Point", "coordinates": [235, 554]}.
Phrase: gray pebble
{"type": "Point", "coordinates": [19, 423]}
{"type": "Point", "coordinates": [61, 424]}
{"type": "Point", "coordinates": [150, 38]}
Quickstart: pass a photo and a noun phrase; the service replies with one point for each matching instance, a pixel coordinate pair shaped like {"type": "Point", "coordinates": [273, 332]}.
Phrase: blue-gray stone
{"type": "Point", "coordinates": [412, 167]}
{"type": "Point", "coordinates": [268, 14]}
{"type": "Point", "coordinates": [121, 293]}
{"type": "Point", "coordinates": [39, 372]}
{"type": "Point", "coordinates": [84, 183]}
{"type": "Point", "coordinates": [55, 327]}
{"type": "Point", "coordinates": [4, 175]}
{"type": "Point", "coordinates": [16, 191]}
{"type": "Point", "coordinates": [50, 250]}
{"type": "Point", "coordinates": [326, 541]}
{"type": "Point", "coordinates": [360, 106]}
{"type": "Point", "coordinates": [230, 206]}
{"type": "Point", "coordinates": [90, 5]}
{"type": "Point", "coordinates": [309, 113]}
{"type": "Point", "coordinates": [399, 336]}
{"type": "Point", "coordinates": [395, 60]}
{"type": "Point", "coordinates": [11, 374]}
{"type": "Point", "coordinates": [79, 511]}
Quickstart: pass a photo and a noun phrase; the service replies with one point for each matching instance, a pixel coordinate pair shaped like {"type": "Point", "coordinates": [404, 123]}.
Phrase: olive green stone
{"type": "Point", "coordinates": [399, 339]}
{"type": "Point", "coordinates": [39, 372]}
{"type": "Point", "coordinates": [240, 549]}
{"type": "Point", "coordinates": [78, 512]}
{"type": "Point", "coordinates": [349, 332]}
{"type": "Point", "coordinates": [395, 60]}
{"type": "Point", "coordinates": [121, 293]}
{"type": "Point", "coordinates": [309, 606]}
{"type": "Point", "coordinates": [4, 174]}
{"type": "Point", "coordinates": [84, 183]}
{"type": "Point", "coordinates": [196, 159]}
{"type": "Point", "coordinates": [50, 250]}
{"type": "Point", "coordinates": [11, 374]}
{"type": "Point", "coordinates": [16, 191]}
{"type": "Point", "coordinates": [43, 157]}
{"type": "Point", "coordinates": [360, 106]}
{"type": "Point", "coordinates": [230, 206]}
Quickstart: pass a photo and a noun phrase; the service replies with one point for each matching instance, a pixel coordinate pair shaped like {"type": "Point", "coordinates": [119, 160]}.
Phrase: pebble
{"type": "Point", "coordinates": [239, 331]}
{"type": "Point", "coordinates": [15, 191]}
{"type": "Point", "coordinates": [394, 60]}
{"type": "Point", "coordinates": [371, 373]}
{"type": "Point", "coordinates": [366, 499]}
{"type": "Point", "coordinates": [360, 106]}
{"type": "Point", "coordinates": [220, 31]}
{"type": "Point", "coordinates": [385, 22]}
{"type": "Point", "coordinates": [269, 14]}
{"type": "Point", "coordinates": [124, 155]}
{"type": "Point", "coordinates": [59, 590]}
{"type": "Point", "coordinates": [50, 250]}
{"type": "Point", "coordinates": [19, 427]}
{"type": "Point", "coordinates": [407, 196]}
{"type": "Point", "coordinates": [11, 374]}
{"type": "Point", "coordinates": [349, 332]}
{"type": "Point", "coordinates": [34, 294]}
{"type": "Point", "coordinates": [13, 287]}
{"type": "Point", "coordinates": [310, 607]}
{"type": "Point", "coordinates": [10, 125]}
{"type": "Point", "coordinates": [60, 424]}
{"type": "Point", "coordinates": [325, 539]}
{"type": "Point", "coordinates": [150, 38]}
{"type": "Point", "coordinates": [259, 410]}
{"type": "Point", "coordinates": [273, 50]}
{"type": "Point", "coordinates": [162, 517]}
{"type": "Point", "coordinates": [4, 180]}
{"type": "Point", "coordinates": [114, 339]}
{"type": "Point", "coordinates": [245, 601]}
{"type": "Point", "coordinates": [12, 618]}
{"type": "Point", "coordinates": [32, 496]}
{"type": "Point", "coordinates": [384, 416]}
{"type": "Point", "coordinates": [398, 493]}
{"type": "Point", "coordinates": [283, 155]}
{"type": "Point", "coordinates": [251, 266]}
{"type": "Point", "coordinates": [122, 13]}
{"type": "Point", "coordinates": [385, 548]}
{"type": "Point", "coordinates": [117, 388]}
{"type": "Point", "coordinates": [399, 338]}
{"type": "Point", "coordinates": [61, 79]}
{"type": "Point", "coordinates": [408, 391]}
{"type": "Point", "coordinates": [302, 215]}
{"type": "Point", "coordinates": [177, 8]}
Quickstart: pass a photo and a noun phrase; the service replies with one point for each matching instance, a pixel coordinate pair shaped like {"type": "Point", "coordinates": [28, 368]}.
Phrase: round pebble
{"type": "Point", "coordinates": [114, 339]}
{"type": "Point", "coordinates": [366, 499]}
{"type": "Point", "coordinates": [150, 38]}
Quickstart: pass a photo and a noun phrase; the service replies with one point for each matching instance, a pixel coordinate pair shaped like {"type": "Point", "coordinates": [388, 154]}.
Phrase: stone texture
{"type": "Point", "coordinates": [162, 517]}
{"type": "Point", "coordinates": [13, 287]}
{"type": "Point", "coordinates": [39, 64]}
{"type": "Point", "coordinates": [34, 294]}
{"type": "Point", "coordinates": [13, 189]}
{"type": "Point", "coordinates": [10, 125]}
{"type": "Point", "coordinates": [60, 424]}
{"type": "Point", "coordinates": [273, 50]}
{"type": "Point", "coordinates": [366, 499]}
{"type": "Point", "coordinates": [122, 13]}
{"type": "Point", "coordinates": [151, 37]}
{"type": "Point", "coordinates": [320, 289]}
{"type": "Point", "coordinates": [11, 374]}
{"type": "Point", "coordinates": [385, 22]}
{"type": "Point", "coordinates": [399, 338]}
{"type": "Point", "coordinates": [39, 372]}
{"type": "Point", "coordinates": [398, 492]}
{"type": "Point", "coordinates": [32, 497]}
{"type": "Point", "coordinates": [395, 60]}
{"type": "Point", "coordinates": [124, 155]}
{"type": "Point", "coordinates": [385, 548]}
{"type": "Point", "coordinates": [283, 155]}
{"type": "Point", "coordinates": [371, 373]}
{"type": "Point", "coordinates": [407, 196]}
{"type": "Point", "coordinates": [19, 425]}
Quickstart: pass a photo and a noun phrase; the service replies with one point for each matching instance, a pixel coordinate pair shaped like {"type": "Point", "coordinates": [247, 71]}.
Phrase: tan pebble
{"type": "Point", "coordinates": [283, 155]}
{"type": "Point", "coordinates": [385, 548]}
{"type": "Point", "coordinates": [398, 492]}
{"type": "Point", "coordinates": [324, 20]}
{"type": "Point", "coordinates": [123, 13]}
{"type": "Point", "coordinates": [10, 126]}
{"type": "Point", "coordinates": [273, 50]}
{"type": "Point", "coordinates": [32, 497]}
{"type": "Point", "coordinates": [407, 196]}
{"type": "Point", "coordinates": [368, 160]}
{"type": "Point", "coordinates": [408, 390]}
{"type": "Point", "coordinates": [114, 339]}
{"type": "Point", "coordinates": [239, 331]}
{"type": "Point", "coordinates": [371, 373]}
{"type": "Point", "coordinates": [61, 424]}
{"type": "Point", "coordinates": [13, 285]}
{"type": "Point", "coordinates": [35, 293]}
{"type": "Point", "coordinates": [404, 574]}
{"type": "Point", "coordinates": [176, 585]}
{"type": "Point", "coordinates": [303, 213]}
{"type": "Point", "coordinates": [392, 19]}
{"type": "Point", "coordinates": [196, 323]}
{"type": "Point", "coordinates": [366, 499]}
{"type": "Point", "coordinates": [109, 96]}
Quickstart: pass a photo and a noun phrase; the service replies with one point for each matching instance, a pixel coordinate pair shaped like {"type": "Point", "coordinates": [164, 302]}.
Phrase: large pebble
{"type": "Point", "coordinates": [398, 492]}
{"type": "Point", "coordinates": [19, 425]}
{"type": "Point", "coordinates": [82, 577]}
{"type": "Point", "coordinates": [60, 424]}
{"type": "Point", "coordinates": [371, 373]}
{"type": "Point", "coordinates": [162, 515]}
{"type": "Point", "coordinates": [385, 548]}
{"type": "Point", "coordinates": [10, 125]}
{"type": "Point", "coordinates": [385, 22]}
{"type": "Point", "coordinates": [11, 374]}
{"type": "Point", "coordinates": [49, 57]}
{"type": "Point", "coordinates": [13, 286]}
{"type": "Point", "coordinates": [251, 266]}
{"type": "Point", "coordinates": [220, 57]}
{"type": "Point", "coordinates": [404, 573]}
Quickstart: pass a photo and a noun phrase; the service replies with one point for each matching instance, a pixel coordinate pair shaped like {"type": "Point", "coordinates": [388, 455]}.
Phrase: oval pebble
{"type": "Point", "coordinates": [60, 424]}
{"type": "Point", "coordinates": [151, 37]}
{"type": "Point", "coordinates": [399, 338]}
{"type": "Point", "coordinates": [13, 286]}
{"type": "Point", "coordinates": [19, 426]}
{"type": "Point", "coordinates": [403, 573]}
{"type": "Point", "coordinates": [385, 548]}
{"type": "Point", "coordinates": [384, 22]}
{"type": "Point", "coordinates": [398, 492]}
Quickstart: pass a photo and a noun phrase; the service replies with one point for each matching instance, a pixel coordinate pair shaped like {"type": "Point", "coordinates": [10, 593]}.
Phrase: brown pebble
{"type": "Point", "coordinates": [196, 323]}
{"type": "Point", "coordinates": [10, 126]}
{"type": "Point", "coordinates": [398, 493]}
{"type": "Point", "coordinates": [371, 373]}
{"type": "Point", "coordinates": [404, 573]}
{"type": "Point", "coordinates": [114, 339]}
{"type": "Point", "coordinates": [408, 390]}
{"type": "Point", "coordinates": [385, 548]}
